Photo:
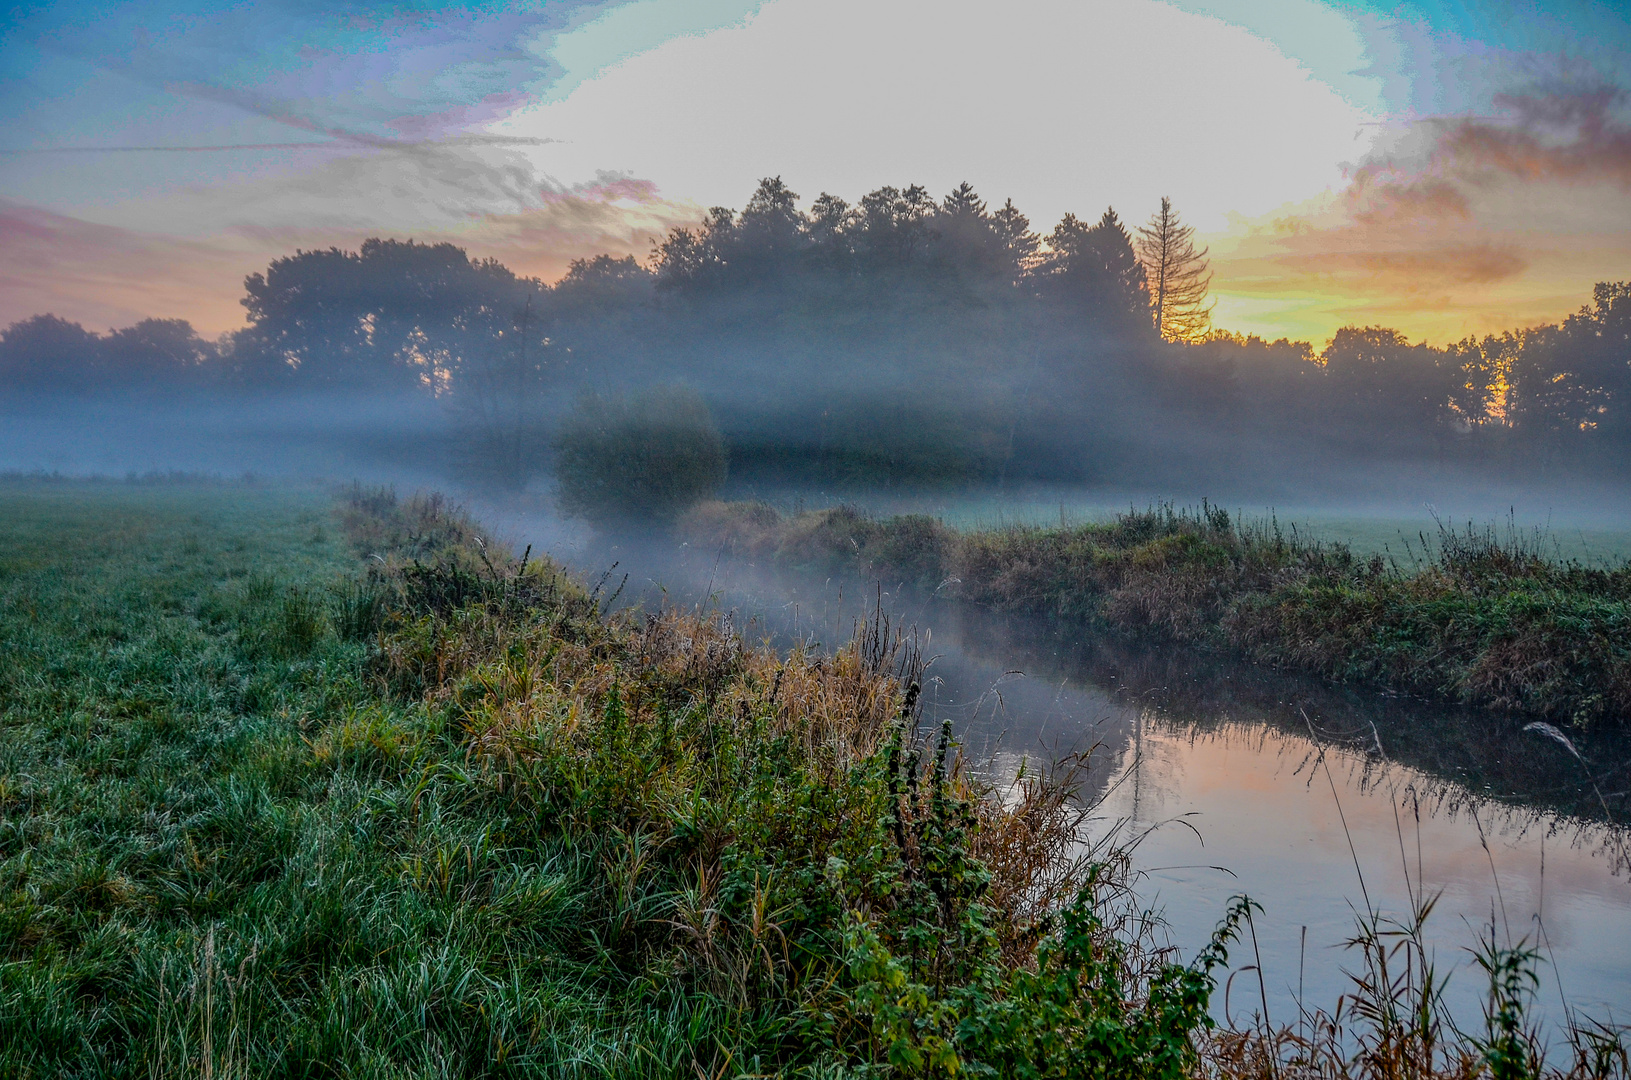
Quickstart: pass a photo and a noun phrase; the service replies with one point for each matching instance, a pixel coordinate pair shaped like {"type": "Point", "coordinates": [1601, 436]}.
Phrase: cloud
{"type": "Point", "coordinates": [1569, 134]}
{"type": "Point", "coordinates": [1063, 106]}
{"type": "Point", "coordinates": [106, 276]}
{"type": "Point", "coordinates": [1578, 136]}
{"type": "Point", "coordinates": [1411, 271]}
{"type": "Point", "coordinates": [613, 214]}
{"type": "Point", "coordinates": [1454, 225]}
{"type": "Point", "coordinates": [1379, 198]}
{"type": "Point", "coordinates": [375, 68]}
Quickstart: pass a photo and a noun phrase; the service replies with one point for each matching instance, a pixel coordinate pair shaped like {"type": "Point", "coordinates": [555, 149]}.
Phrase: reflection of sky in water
{"type": "Point", "coordinates": [1214, 750]}
{"type": "Point", "coordinates": [1262, 808]}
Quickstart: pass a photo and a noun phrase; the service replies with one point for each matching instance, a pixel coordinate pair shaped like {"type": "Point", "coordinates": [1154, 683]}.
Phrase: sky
{"type": "Point", "coordinates": [1443, 167]}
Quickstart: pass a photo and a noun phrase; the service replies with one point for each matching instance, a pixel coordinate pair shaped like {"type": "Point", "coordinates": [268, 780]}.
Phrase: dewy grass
{"type": "Point", "coordinates": [273, 807]}
{"type": "Point", "coordinates": [1483, 619]}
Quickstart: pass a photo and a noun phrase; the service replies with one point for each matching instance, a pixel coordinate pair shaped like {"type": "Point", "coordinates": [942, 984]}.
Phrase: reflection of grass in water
{"type": "Point", "coordinates": [257, 826]}
{"type": "Point", "coordinates": [1463, 749]}
{"type": "Point", "coordinates": [1363, 760]}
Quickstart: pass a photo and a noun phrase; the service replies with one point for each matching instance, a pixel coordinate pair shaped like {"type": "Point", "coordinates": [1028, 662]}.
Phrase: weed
{"type": "Point", "coordinates": [455, 820]}
{"type": "Point", "coordinates": [1486, 620]}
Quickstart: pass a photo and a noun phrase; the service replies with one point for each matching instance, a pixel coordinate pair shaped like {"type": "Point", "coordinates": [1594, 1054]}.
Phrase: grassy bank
{"type": "Point", "coordinates": [1484, 620]}
{"type": "Point", "coordinates": [295, 790]}
{"type": "Point", "coordinates": [267, 813]}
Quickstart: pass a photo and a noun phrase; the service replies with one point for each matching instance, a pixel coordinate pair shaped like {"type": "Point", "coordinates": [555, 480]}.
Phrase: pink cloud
{"type": "Point", "coordinates": [105, 276]}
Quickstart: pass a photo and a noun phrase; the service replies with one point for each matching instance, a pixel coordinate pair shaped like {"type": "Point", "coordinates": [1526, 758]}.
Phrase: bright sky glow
{"type": "Point", "coordinates": [1444, 167]}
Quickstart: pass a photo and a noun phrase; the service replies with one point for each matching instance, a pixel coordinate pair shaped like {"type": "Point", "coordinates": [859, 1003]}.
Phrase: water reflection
{"type": "Point", "coordinates": [1315, 801]}
{"type": "Point", "coordinates": [1316, 833]}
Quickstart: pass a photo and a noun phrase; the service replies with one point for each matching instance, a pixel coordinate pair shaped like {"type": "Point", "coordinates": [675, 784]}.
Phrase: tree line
{"type": "Point", "coordinates": [901, 335]}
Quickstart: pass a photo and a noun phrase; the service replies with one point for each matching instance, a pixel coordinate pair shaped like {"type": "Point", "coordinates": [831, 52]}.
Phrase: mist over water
{"type": "Point", "coordinates": [1317, 802]}
{"type": "Point", "coordinates": [1233, 779]}
{"type": "Point", "coordinates": [913, 357]}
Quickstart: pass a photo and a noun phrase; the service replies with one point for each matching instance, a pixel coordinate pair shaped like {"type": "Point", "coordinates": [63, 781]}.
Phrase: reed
{"type": "Point", "coordinates": [457, 820]}
{"type": "Point", "coordinates": [1481, 618]}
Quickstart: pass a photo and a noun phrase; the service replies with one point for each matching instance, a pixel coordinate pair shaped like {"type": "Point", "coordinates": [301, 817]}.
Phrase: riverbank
{"type": "Point", "coordinates": [292, 792]}
{"type": "Point", "coordinates": [1483, 619]}
{"type": "Point", "coordinates": [297, 789]}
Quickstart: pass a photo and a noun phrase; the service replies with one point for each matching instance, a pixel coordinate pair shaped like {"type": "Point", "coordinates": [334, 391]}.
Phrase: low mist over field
{"type": "Point", "coordinates": [816, 539]}
{"type": "Point", "coordinates": [906, 342]}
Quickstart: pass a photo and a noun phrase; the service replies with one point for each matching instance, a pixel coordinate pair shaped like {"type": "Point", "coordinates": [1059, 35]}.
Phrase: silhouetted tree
{"type": "Point", "coordinates": [893, 234]}
{"type": "Point", "coordinates": [1597, 346]}
{"type": "Point", "coordinates": [1013, 229]}
{"type": "Point", "coordinates": [691, 262]}
{"type": "Point", "coordinates": [1380, 378]}
{"type": "Point", "coordinates": [165, 350]}
{"type": "Point", "coordinates": [980, 255]}
{"type": "Point", "coordinates": [392, 314]}
{"type": "Point", "coordinates": [1481, 390]}
{"type": "Point", "coordinates": [900, 336]}
{"type": "Point", "coordinates": [1177, 275]}
{"type": "Point", "coordinates": [45, 352]}
{"type": "Point", "coordinates": [1093, 269]}
{"type": "Point", "coordinates": [770, 238]}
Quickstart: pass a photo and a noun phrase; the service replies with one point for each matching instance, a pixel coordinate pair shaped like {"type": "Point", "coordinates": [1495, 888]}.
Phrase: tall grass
{"type": "Point", "coordinates": [269, 815]}
{"type": "Point", "coordinates": [1479, 618]}
{"type": "Point", "coordinates": [266, 813]}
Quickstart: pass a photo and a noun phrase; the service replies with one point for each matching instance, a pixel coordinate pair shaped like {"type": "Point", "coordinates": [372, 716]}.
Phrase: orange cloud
{"type": "Point", "coordinates": [1412, 271]}
{"type": "Point", "coordinates": [105, 276]}
{"type": "Point", "coordinates": [1378, 198]}
{"type": "Point", "coordinates": [1564, 136]}
{"type": "Point", "coordinates": [1466, 225]}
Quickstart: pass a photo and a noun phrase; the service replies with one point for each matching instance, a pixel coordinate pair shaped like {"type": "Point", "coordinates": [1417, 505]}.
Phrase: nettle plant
{"type": "Point", "coordinates": [930, 984]}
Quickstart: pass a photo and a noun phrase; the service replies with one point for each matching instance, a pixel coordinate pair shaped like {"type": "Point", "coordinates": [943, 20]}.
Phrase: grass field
{"type": "Point", "coordinates": [270, 806]}
{"type": "Point", "coordinates": [255, 825]}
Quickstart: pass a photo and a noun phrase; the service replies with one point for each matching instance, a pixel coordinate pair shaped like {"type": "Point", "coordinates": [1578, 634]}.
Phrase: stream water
{"type": "Point", "coordinates": [1320, 803]}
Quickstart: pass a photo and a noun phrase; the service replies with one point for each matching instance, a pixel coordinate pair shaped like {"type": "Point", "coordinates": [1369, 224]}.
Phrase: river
{"type": "Point", "coordinates": [1320, 803]}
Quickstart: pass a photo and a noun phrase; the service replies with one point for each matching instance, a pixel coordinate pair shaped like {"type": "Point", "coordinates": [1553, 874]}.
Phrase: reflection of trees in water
{"type": "Point", "coordinates": [1364, 770]}
{"type": "Point", "coordinates": [1082, 692]}
{"type": "Point", "coordinates": [1459, 757]}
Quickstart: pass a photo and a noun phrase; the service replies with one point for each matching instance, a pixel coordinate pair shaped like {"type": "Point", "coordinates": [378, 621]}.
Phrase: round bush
{"type": "Point", "coordinates": [646, 456]}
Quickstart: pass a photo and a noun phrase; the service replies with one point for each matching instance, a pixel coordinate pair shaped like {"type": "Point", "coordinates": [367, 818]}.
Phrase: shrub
{"type": "Point", "coordinates": [647, 456]}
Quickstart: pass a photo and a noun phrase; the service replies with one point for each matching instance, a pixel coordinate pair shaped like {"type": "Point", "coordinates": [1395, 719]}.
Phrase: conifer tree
{"type": "Point", "coordinates": [1177, 274]}
{"type": "Point", "coordinates": [1126, 291]}
{"type": "Point", "coordinates": [1013, 230]}
{"type": "Point", "coordinates": [1093, 269]}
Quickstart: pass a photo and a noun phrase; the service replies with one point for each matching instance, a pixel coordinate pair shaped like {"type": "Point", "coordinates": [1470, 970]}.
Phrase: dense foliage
{"type": "Point", "coordinates": [901, 338]}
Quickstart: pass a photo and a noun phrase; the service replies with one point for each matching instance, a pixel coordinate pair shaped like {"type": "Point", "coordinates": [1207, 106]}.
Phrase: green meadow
{"type": "Point", "coordinates": [294, 785]}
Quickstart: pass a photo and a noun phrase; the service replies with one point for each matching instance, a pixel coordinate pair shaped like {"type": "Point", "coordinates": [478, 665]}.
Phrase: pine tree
{"type": "Point", "coordinates": [1177, 274]}
{"type": "Point", "coordinates": [1126, 291]}
{"type": "Point", "coordinates": [1094, 271]}
{"type": "Point", "coordinates": [1013, 230]}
